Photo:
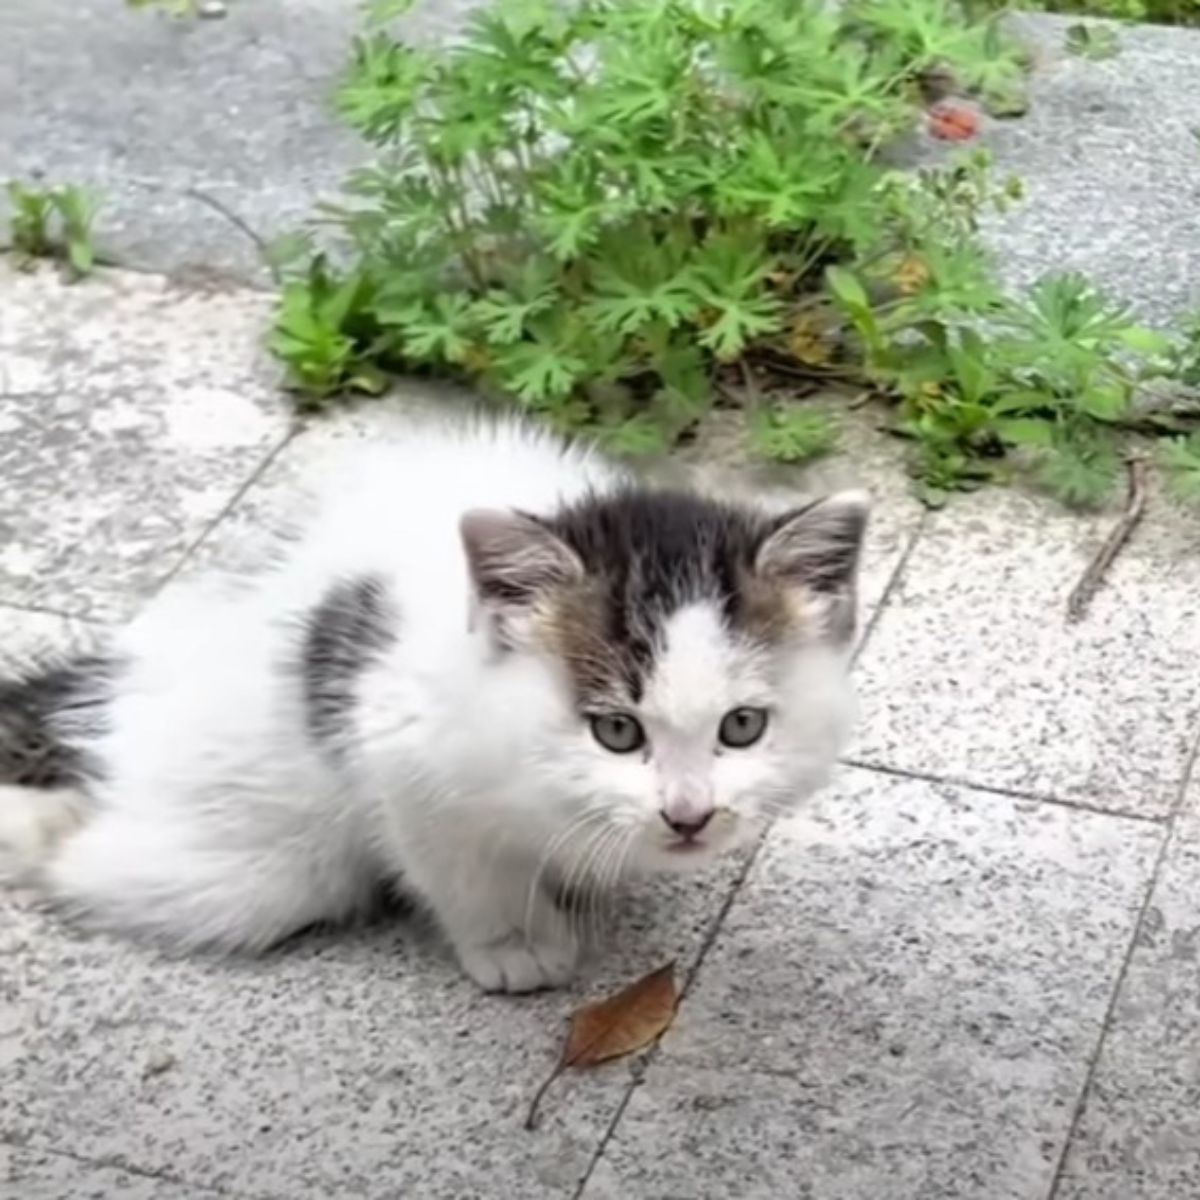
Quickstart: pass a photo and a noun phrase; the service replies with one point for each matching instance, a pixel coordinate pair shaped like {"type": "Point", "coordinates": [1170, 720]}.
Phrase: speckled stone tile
{"type": "Point", "coordinates": [352, 1064]}
{"type": "Point", "coordinates": [1139, 1135]}
{"type": "Point", "coordinates": [34, 1175]}
{"type": "Point", "coordinates": [147, 407]}
{"type": "Point", "coordinates": [973, 672]}
{"type": "Point", "coordinates": [901, 1003]}
{"type": "Point", "coordinates": [27, 636]}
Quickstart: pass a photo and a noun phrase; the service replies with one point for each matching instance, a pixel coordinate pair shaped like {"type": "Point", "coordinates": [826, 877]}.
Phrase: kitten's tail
{"type": "Point", "coordinates": [46, 715]}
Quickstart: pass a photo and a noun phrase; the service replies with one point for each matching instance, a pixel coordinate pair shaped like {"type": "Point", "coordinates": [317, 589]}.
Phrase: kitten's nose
{"type": "Point", "coordinates": [690, 827]}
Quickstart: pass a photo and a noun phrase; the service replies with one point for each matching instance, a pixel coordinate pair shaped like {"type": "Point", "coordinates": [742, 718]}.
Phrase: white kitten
{"type": "Point", "coordinates": [493, 673]}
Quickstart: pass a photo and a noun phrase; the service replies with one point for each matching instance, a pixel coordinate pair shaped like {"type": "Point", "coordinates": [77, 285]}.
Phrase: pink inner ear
{"type": "Point", "coordinates": [513, 557]}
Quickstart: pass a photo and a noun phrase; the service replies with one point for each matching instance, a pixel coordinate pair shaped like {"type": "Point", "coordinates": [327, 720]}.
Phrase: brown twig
{"type": "Point", "coordinates": [1089, 583]}
{"type": "Point", "coordinates": [809, 374]}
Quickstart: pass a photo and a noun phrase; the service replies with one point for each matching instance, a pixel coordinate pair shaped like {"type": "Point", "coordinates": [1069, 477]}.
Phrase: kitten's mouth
{"type": "Point", "coordinates": [688, 846]}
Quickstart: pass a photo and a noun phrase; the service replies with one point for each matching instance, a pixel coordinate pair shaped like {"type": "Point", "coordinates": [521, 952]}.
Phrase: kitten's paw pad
{"type": "Point", "coordinates": [515, 966]}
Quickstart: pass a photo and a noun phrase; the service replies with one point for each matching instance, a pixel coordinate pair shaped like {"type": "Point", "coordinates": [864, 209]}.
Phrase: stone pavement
{"type": "Point", "coordinates": [967, 971]}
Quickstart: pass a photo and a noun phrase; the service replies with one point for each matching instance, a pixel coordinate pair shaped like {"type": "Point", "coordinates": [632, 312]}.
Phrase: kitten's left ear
{"type": "Point", "coordinates": [816, 549]}
{"type": "Point", "coordinates": [514, 560]}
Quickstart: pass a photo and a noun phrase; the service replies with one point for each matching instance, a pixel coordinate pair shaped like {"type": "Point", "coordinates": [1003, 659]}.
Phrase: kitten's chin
{"type": "Point", "coordinates": [661, 853]}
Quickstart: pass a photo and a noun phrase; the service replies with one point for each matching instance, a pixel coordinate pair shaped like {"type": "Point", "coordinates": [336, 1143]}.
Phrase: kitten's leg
{"type": "Point", "coordinates": [501, 956]}
{"type": "Point", "coordinates": [188, 891]}
{"type": "Point", "coordinates": [503, 924]}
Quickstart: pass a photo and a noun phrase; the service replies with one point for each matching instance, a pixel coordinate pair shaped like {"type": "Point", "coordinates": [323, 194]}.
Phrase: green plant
{"type": "Point", "coordinates": [1096, 42]}
{"type": "Point", "coordinates": [1181, 461]}
{"type": "Point", "coordinates": [319, 333]}
{"type": "Point", "coordinates": [985, 382]}
{"type": "Point", "coordinates": [29, 224]}
{"type": "Point", "coordinates": [53, 222]}
{"type": "Point", "coordinates": [791, 433]}
{"type": "Point", "coordinates": [592, 208]}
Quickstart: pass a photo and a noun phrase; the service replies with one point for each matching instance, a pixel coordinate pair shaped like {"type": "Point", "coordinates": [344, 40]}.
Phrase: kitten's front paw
{"type": "Point", "coordinates": [514, 965]}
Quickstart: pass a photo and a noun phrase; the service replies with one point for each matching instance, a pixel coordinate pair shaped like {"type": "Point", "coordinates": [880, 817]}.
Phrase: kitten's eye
{"type": "Point", "coordinates": [742, 727]}
{"type": "Point", "coordinates": [618, 732]}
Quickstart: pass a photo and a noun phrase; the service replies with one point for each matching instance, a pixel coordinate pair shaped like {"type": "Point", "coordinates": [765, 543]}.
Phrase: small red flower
{"type": "Point", "coordinates": [953, 122]}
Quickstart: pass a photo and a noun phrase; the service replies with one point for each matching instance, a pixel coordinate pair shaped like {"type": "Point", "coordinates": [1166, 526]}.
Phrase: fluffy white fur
{"type": "Point", "coordinates": [468, 775]}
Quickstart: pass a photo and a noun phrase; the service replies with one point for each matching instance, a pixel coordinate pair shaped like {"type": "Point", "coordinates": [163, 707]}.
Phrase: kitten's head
{"type": "Point", "coordinates": [696, 651]}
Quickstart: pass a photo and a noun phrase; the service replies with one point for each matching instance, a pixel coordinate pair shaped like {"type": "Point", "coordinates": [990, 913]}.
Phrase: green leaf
{"type": "Point", "coordinates": [791, 433]}
{"type": "Point", "coordinates": [440, 331]}
{"type": "Point", "coordinates": [1105, 403]}
{"type": "Point", "coordinates": [638, 280]}
{"type": "Point", "coordinates": [505, 313]}
{"type": "Point", "coordinates": [639, 436]}
{"type": "Point", "coordinates": [1145, 341]}
{"type": "Point", "coordinates": [1092, 41]}
{"type": "Point", "coordinates": [847, 290]}
{"type": "Point", "coordinates": [739, 323]}
{"type": "Point", "coordinates": [1180, 458]}
{"type": "Point", "coordinates": [1080, 472]}
{"type": "Point", "coordinates": [81, 256]}
{"type": "Point", "coordinates": [379, 12]}
{"type": "Point", "coordinates": [1025, 431]}
{"type": "Point", "coordinates": [538, 372]}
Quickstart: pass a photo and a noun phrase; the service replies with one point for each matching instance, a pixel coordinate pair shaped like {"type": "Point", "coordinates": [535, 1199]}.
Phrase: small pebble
{"type": "Point", "coordinates": [211, 10]}
{"type": "Point", "coordinates": [157, 1063]}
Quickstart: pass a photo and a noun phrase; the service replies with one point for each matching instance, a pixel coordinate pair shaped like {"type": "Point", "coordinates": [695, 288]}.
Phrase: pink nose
{"type": "Point", "coordinates": [691, 826]}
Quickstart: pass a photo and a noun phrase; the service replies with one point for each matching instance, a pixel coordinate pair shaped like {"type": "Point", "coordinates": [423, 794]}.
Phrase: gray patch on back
{"type": "Point", "coordinates": [348, 630]}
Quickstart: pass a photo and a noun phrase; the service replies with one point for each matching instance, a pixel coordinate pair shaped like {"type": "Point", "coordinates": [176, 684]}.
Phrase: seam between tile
{"type": "Point", "coordinates": [1010, 793]}
{"type": "Point", "coordinates": [890, 587]}
{"type": "Point", "coordinates": [42, 611]}
{"type": "Point", "coordinates": [1123, 970]}
{"type": "Point", "coordinates": [649, 1058]}
{"type": "Point", "coordinates": [718, 923]}
{"type": "Point", "coordinates": [110, 1164]}
{"type": "Point", "coordinates": [227, 508]}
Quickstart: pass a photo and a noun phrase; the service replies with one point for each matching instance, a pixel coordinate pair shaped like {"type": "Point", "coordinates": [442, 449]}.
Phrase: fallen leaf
{"type": "Point", "coordinates": [612, 1028]}
{"type": "Point", "coordinates": [912, 274]}
{"type": "Point", "coordinates": [953, 122]}
{"type": "Point", "coordinates": [808, 343]}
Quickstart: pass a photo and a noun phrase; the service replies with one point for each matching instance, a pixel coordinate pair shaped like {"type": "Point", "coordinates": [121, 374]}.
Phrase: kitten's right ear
{"type": "Point", "coordinates": [514, 558]}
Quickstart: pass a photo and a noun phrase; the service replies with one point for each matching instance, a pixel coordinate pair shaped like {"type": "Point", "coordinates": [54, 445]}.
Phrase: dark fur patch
{"type": "Point", "coordinates": [38, 710]}
{"type": "Point", "coordinates": [348, 630]}
{"type": "Point", "coordinates": [647, 554]}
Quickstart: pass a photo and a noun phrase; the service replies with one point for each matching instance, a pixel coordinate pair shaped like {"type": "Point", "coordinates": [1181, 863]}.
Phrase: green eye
{"type": "Point", "coordinates": [742, 727]}
{"type": "Point", "coordinates": [618, 732]}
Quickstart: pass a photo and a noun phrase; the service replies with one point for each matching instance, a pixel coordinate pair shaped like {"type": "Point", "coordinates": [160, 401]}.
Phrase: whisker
{"type": "Point", "coordinates": [555, 843]}
{"type": "Point", "coordinates": [624, 850]}
{"type": "Point", "coordinates": [578, 872]}
{"type": "Point", "coordinates": [596, 882]}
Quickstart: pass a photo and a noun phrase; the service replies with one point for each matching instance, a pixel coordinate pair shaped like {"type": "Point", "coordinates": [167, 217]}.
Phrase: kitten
{"type": "Point", "coordinates": [492, 670]}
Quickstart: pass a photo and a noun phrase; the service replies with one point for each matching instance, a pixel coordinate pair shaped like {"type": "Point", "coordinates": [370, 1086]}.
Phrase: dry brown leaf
{"type": "Point", "coordinates": [808, 341]}
{"type": "Point", "coordinates": [911, 275]}
{"type": "Point", "coordinates": [612, 1028]}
